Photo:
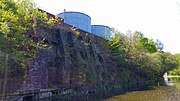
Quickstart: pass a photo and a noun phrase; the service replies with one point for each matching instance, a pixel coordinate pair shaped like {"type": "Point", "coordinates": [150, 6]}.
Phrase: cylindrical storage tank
{"type": "Point", "coordinates": [101, 30]}
{"type": "Point", "coordinates": [77, 19]}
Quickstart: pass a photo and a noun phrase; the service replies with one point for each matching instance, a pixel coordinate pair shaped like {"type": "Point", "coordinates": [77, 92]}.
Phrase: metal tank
{"type": "Point", "coordinates": [101, 30]}
{"type": "Point", "coordinates": [77, 19]}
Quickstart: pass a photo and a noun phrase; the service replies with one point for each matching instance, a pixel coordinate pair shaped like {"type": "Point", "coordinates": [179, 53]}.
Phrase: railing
{"type": "Point", "coordinates": [173, 76]}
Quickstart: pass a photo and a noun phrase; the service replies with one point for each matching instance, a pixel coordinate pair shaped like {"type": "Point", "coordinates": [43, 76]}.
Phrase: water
{"type": "Point", "coordinates": [171, 92]}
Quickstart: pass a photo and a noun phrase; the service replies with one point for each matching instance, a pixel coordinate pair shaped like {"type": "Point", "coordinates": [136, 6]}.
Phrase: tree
{"type": "Point", "coordinates": [19, 21]}
{"type": "Point", "coordinates": [18, 24]}
{"type": "Point", "coordinates": [176, 71]}
{"type": "Point", "coordinates": [143, 43]}
{"type": "Point", "coordinates": [118, 46]}
{"type": "Point", "coordinates": [141, 55]}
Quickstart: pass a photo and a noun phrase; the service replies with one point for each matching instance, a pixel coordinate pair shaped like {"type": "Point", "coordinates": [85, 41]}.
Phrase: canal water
{"type": "Point", "coordinates": [171, 92]}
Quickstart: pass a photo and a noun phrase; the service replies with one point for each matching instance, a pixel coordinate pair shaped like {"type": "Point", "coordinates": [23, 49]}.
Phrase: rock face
{"type": "Point", "coordinates": [70, 61]}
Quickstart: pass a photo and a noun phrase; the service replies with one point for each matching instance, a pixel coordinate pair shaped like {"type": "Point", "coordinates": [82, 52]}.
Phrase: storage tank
{"type": "Point", "coordinates": [101, 30]}
{"type": "Point", "coordinates": [77, 19]}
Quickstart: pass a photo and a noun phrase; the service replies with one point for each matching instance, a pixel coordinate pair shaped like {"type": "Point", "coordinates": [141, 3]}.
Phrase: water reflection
{"type": "Point", "coordinates": [167, 80]}
{"type": "Point", "coordinates": [172, 81]}
{"type": "Point", "coordinates": [171, 92]}
{"type": "Point", "coordinates": [176, 82]}
{"type": "Point", "coordinates": [161, 93]}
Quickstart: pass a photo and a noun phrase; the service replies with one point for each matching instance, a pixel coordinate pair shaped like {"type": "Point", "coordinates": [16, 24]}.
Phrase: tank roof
{"type": "Point", "coordinates": [75, 12]}
{"type": "Point", "coordinates": [101, 25]}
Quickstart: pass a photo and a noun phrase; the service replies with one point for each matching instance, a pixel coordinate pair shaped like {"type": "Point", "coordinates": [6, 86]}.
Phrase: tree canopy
{"type": "Point", "coordinates": [142, 55]}
{"type": "Point", "coordinates": [176, 71]}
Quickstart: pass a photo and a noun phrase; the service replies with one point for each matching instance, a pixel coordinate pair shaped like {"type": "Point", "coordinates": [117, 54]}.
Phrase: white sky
{"type": "Point", "coordinates": [157, 19]}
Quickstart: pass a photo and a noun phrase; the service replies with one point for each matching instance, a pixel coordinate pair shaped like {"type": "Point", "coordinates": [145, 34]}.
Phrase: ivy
{"type": "Point", "coordinates": [19, 21]}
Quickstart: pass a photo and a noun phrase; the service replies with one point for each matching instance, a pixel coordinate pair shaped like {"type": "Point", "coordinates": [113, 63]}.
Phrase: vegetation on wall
{"type": "Point", "coordinates": [19, 24]}
{"type": "Point", "coordinates": [19, 21]}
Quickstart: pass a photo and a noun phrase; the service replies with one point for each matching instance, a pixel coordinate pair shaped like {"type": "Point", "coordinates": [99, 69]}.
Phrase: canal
{"type": "Point", "coordinates": [171, 92]}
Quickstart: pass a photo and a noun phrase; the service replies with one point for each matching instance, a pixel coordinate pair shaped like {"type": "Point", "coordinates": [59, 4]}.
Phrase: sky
{"type": "Point", "coordinates": [156, 19]}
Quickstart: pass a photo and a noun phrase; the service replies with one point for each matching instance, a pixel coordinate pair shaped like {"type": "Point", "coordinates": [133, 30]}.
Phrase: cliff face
{"type": "Point", "coordinates": [71, 60]}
